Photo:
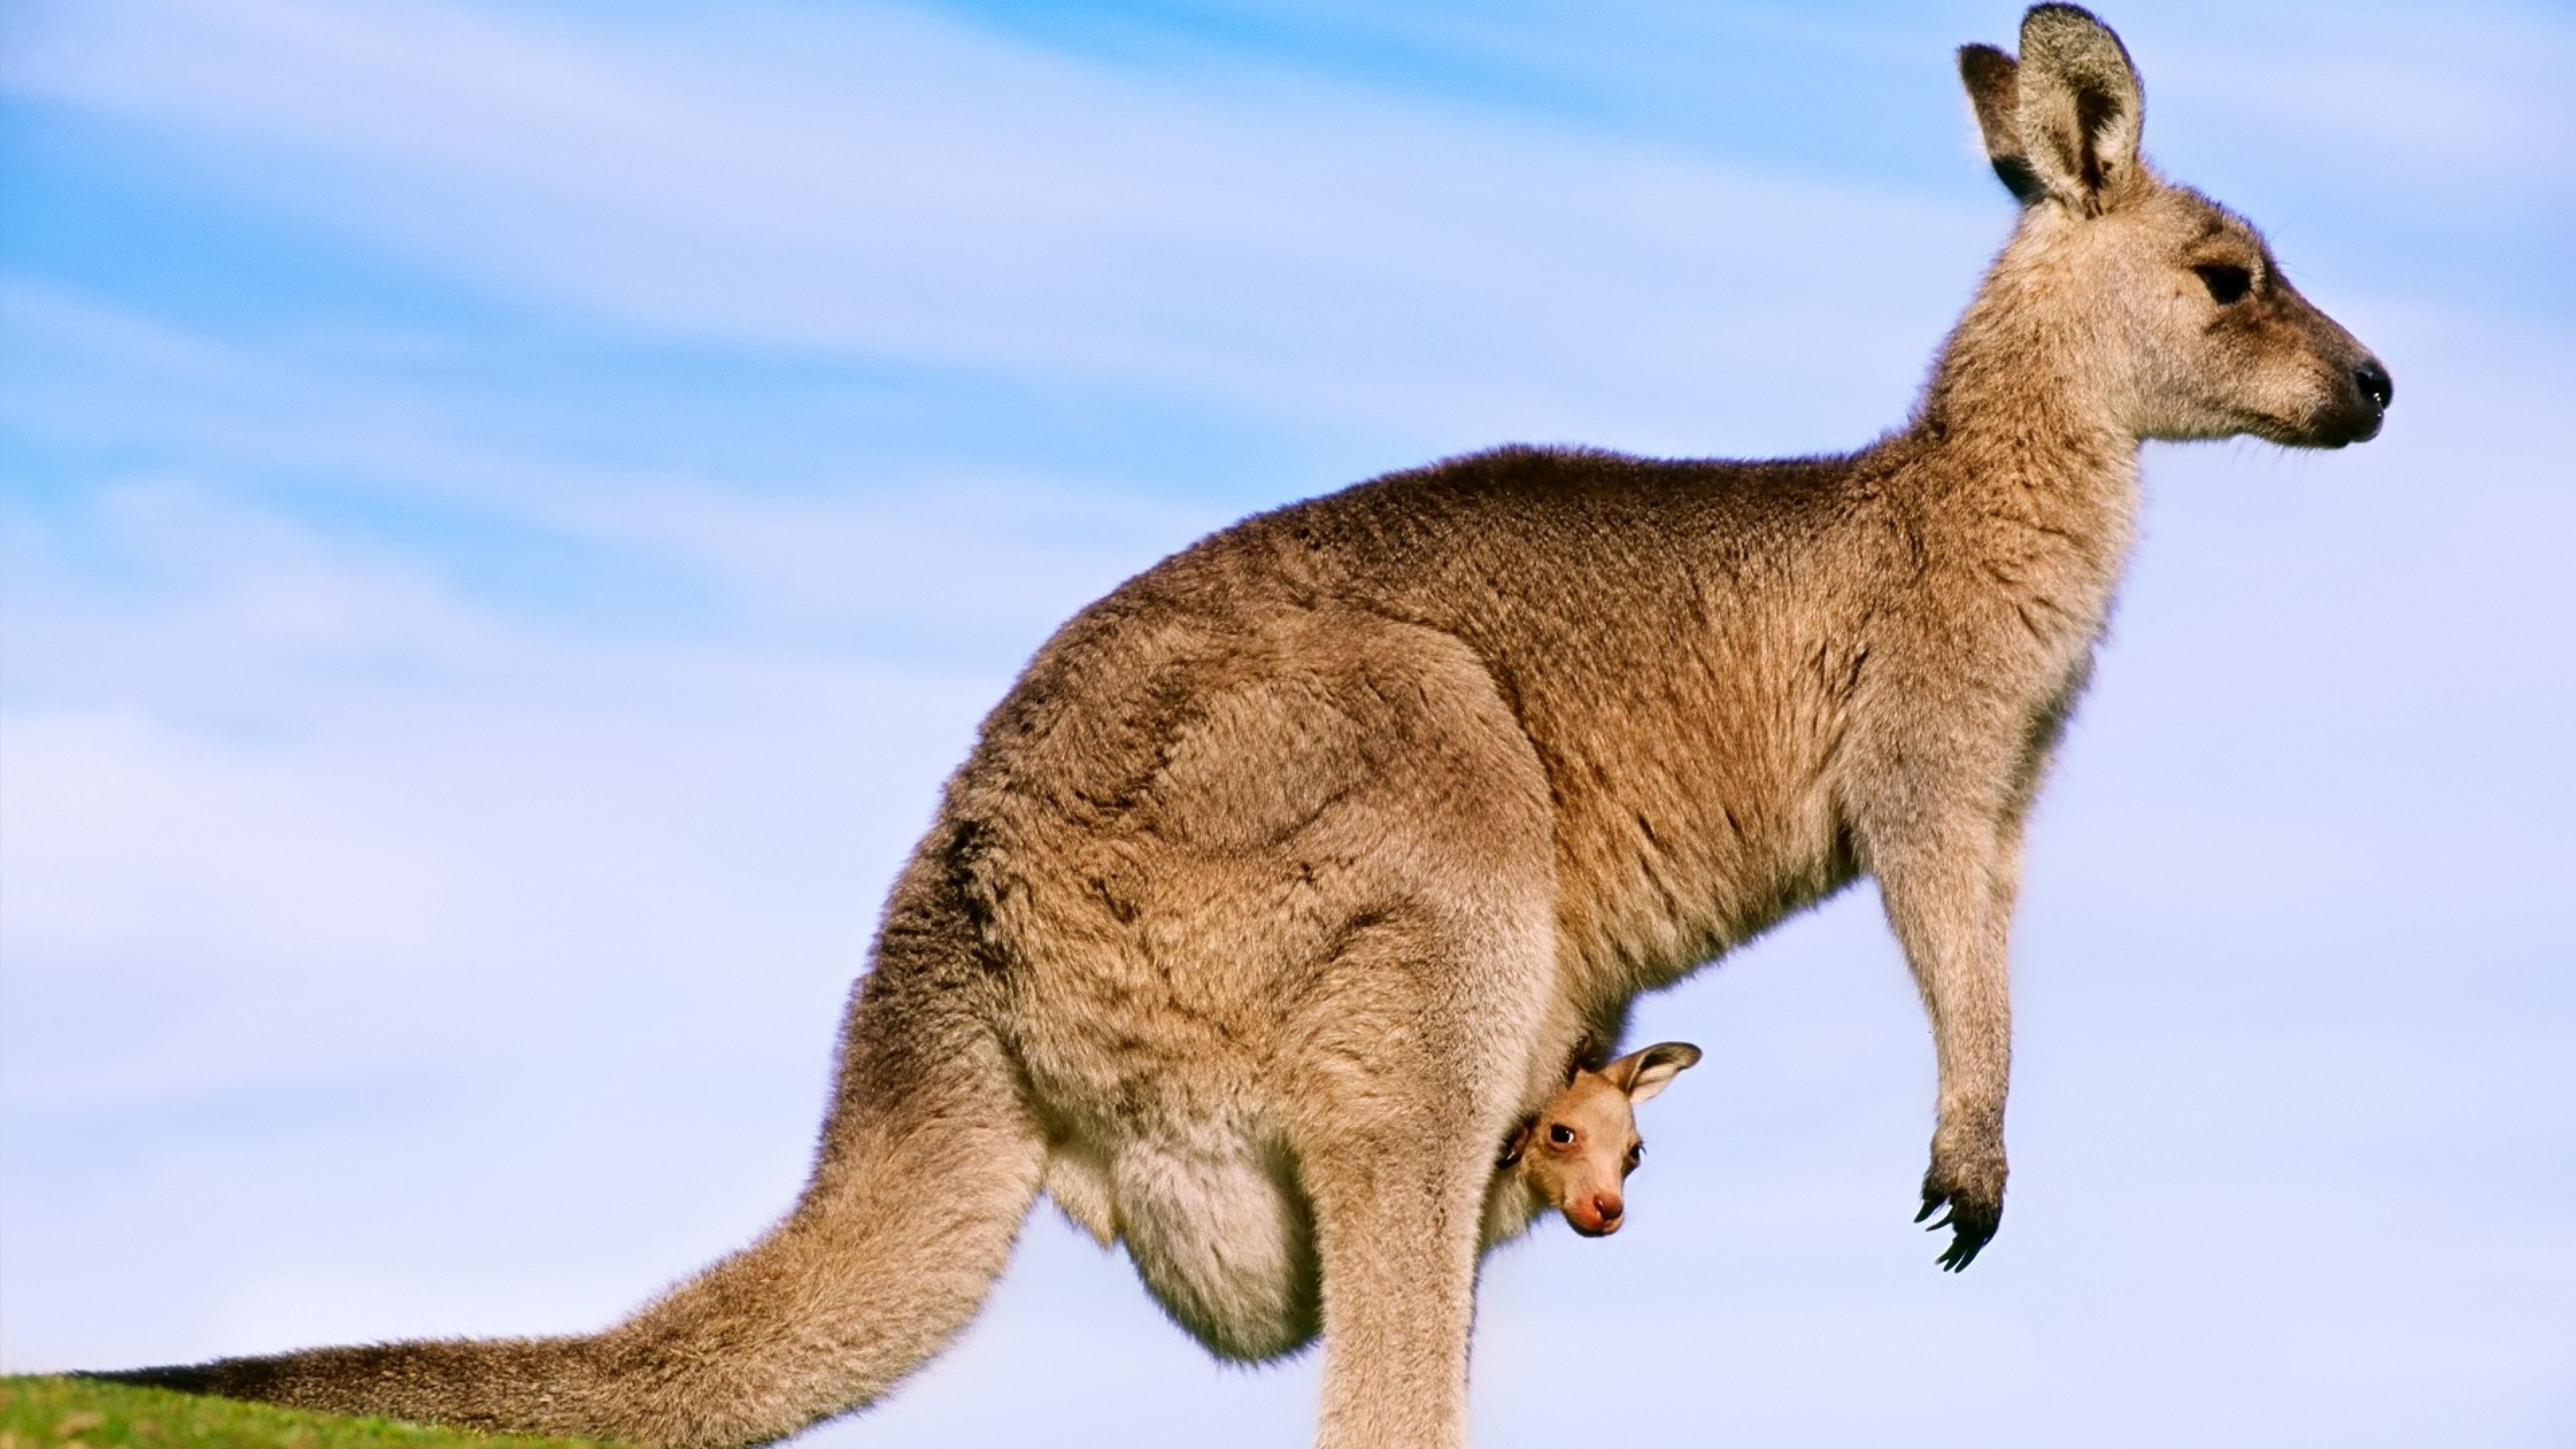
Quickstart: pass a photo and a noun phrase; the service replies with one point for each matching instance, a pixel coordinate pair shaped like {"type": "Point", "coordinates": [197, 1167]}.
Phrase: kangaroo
{"type": "Point", "coordinates": [1287, 876]}
{"type": "Point", "coordinates": [1576, 1153]}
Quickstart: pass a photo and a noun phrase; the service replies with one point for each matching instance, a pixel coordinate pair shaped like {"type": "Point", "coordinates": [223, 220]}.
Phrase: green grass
{"type": "Point", "coordinates": [50, 1413]}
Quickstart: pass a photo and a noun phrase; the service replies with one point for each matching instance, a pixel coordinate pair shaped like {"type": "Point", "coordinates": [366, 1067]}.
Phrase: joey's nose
{"type": "Point", "coordinates": [1607, 1207]}
{"type": "Point", "coordinates": [2375, 383]}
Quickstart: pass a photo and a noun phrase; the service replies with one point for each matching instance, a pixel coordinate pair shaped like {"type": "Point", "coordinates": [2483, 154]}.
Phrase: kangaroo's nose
{"type": "Point", "coordinates": [2375, 383]}
{"type": "Point", "coordinates": [1608, 1206]}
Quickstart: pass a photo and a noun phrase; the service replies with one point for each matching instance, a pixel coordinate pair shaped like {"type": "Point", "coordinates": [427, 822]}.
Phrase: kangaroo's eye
{"type": "Point", "coordinates": [1560, 1134]}
{"type": "Point", "coordinates": [1636, 1155]}
{"type": "Point", "coordinates": [2226, 283]}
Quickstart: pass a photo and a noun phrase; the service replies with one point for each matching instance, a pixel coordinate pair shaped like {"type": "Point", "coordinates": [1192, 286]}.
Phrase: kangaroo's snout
{"type": "Point", "coordinates": [2377, 390]}
{"type": "Point", "coordinates": [2363, 409]}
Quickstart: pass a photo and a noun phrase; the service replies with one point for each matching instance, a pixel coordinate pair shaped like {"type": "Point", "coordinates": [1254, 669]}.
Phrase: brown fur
{"type": "Point", "coordinates": [1288, 875]}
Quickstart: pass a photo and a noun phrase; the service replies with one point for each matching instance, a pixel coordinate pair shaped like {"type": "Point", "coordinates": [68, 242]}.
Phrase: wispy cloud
{"type": "Point", "coordinates": [882, 182]}
{"type": "Point", "coordinates": [832, 553]}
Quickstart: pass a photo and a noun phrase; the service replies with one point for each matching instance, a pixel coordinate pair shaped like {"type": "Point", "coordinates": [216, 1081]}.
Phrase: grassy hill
{"type": "Point", "coordinates": [52, 1413]}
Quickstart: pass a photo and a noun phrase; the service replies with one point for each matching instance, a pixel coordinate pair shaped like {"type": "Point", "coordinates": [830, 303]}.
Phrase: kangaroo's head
{"type": "Point", "coordinates": [1577, 1153]}
{"type": "Point", "coordinates": [2164, 312]}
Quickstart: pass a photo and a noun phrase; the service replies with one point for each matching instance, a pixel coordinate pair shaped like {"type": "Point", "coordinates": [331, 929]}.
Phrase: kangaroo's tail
{"type": "Point", "coordinates": [929, 1162]}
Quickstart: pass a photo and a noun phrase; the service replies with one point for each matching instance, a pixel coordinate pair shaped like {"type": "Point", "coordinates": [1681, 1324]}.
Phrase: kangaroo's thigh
{"type": "Point", "coordinates": [1168, 925]}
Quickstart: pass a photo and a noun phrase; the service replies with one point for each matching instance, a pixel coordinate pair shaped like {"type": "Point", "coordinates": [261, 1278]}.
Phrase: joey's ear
{"type": "Point", "coordinates": [1994, 90]}
{"type": "Point", "coordinates": [1643, 1074]}
{"type": "Point", "coordinates": [2078, 110]}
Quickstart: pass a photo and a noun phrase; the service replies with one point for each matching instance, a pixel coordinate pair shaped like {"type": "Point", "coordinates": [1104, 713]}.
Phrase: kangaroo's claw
{"type": "Point", "coordinates": [1972, 1218]}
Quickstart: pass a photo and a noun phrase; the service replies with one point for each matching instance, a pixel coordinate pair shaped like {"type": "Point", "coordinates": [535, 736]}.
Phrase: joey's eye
{"type": "Point", "coordinates": [1636, 1155]}
{"type": "Point", "coordinates": [1560, 1134]}
{"type": "Point", "coordinates": [2226, 283]}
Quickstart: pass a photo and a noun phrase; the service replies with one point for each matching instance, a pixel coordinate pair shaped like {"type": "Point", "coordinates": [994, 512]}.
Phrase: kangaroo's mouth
{"type": "Point", "coordinates": [2355, 414]}
{"type": "Point", "coordinates": [2345, 426]}
{"type": "Point", "coordinates": [2340, 426]}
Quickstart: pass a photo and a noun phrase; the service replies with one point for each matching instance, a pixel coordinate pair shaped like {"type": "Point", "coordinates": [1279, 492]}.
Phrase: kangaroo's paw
{"type": "Point", "coordinates": [1973, 1191]}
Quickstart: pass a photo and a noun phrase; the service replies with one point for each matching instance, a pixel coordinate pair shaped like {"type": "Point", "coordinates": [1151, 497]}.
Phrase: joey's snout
{"type": "Point", "coordinates": [1596, 1216]}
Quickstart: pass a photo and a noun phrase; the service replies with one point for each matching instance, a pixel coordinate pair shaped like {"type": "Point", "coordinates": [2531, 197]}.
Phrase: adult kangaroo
{"type": "Point", "coordinates": [1287, 878]}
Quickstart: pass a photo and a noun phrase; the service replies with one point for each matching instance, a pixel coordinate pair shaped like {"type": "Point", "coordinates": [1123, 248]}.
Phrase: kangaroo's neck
{"type": "Point", "coordinates": [2024, 423]}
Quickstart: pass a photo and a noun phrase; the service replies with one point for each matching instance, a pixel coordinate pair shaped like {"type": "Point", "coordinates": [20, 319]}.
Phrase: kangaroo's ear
{"type": "Point", "coordinates": [1643, 1074]}
{"type": "Point", "coordinates": [1994, 90]}
{"type": "Point", "coordinates": [2078, 109]}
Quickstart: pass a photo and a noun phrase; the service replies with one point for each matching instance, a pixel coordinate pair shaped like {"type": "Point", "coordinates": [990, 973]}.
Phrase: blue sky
{"type": "Point", "coordinates": [507, 513]}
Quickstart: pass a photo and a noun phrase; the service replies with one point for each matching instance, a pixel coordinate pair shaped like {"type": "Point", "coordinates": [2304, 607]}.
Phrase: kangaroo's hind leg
{"type": "Point", "coordinates": [1411, 1088]}
{"type": "Point", "coordinates": [1432, 1019]}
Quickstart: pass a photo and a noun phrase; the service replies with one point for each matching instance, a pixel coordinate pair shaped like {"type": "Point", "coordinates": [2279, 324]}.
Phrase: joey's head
{"type": "Point", "coordinates": [2161, 312]}
{"type": "Point", "coordinates": [1575, 1156]}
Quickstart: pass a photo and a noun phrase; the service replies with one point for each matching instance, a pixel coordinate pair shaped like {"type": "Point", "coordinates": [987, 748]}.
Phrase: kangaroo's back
{"type": "Point", "coordinates": [1679, 641]}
